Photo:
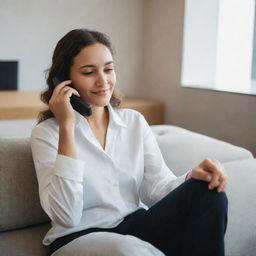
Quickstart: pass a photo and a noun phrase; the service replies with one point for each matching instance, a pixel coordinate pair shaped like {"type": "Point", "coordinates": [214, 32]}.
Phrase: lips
{"type": "Point", "coordinates": [101, 92]}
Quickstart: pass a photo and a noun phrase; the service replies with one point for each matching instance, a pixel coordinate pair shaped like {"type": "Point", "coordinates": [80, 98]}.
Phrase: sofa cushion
{"type": "Point", "coordinates": [183, 149]}
{"type": "Point", "coordinates": [19, 198]}
{"type": "Point", "coordinates": [24, 242]}
{"type": "Point", "coordinates": [241, 193]}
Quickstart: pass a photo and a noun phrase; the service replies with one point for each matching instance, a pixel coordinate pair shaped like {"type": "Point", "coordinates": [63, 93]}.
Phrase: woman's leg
{"type": "Point", "coordinates": [190, 220]}
{"type": "Point", "coordinates": [108, 244]}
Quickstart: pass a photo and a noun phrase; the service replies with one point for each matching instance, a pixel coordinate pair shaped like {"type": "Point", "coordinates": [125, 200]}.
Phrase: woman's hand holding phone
{"type": "Point", "coordinates": [60, 104]}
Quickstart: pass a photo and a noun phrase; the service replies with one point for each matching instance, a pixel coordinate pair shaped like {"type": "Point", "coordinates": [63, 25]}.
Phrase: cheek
{"type": "Point", "coordinates": [82, 83]}
{"type": "Point", "coordinates": [113, 79]}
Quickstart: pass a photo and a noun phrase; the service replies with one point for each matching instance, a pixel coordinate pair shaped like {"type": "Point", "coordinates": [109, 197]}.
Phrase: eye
{"type": "Point", "coordinates": [88, 73]}
{"type": "Point", "coordinates": [109, 70]}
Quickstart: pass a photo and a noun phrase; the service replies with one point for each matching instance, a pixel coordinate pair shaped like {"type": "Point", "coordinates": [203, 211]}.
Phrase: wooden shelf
{"type": "Point", "coordinates": [19, 105]}
{"type": "Point", "coordinates": [27, 105]}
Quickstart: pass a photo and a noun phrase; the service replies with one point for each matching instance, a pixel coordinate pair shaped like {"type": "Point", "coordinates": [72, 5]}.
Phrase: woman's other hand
{"type": "Point", "coordinates": [210, 170]}
{"type": "Point", "coordinates": [60, 105]}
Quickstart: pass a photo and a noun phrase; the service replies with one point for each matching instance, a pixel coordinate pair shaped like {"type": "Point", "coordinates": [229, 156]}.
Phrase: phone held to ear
{"type": "Point", "coordinates": [77, 103]}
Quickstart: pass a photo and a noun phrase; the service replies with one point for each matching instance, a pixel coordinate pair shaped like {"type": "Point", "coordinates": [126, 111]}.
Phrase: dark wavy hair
{"type": "Point", "coordinates": [65, 51]}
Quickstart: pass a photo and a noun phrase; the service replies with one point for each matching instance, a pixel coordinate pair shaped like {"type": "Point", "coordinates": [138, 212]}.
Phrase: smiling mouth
{"type": "Point", "coordinates": [101, 92]}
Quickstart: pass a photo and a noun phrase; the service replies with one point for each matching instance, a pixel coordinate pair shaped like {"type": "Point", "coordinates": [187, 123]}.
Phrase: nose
{"type": "Point", "coordinates": [101, 79]}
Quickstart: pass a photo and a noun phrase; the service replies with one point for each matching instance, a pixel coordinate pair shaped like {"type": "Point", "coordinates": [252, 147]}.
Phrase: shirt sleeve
{"type": "Point", "coordinates": [60, 179]}
{"type": "Point", "coordinates": [158, 179]}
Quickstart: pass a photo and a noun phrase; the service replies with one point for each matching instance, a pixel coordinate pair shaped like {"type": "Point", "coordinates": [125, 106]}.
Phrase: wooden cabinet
{"type": "Point", "coordinates": [152, 110]}
{"type": "Point", "coordinates": [27, 105]}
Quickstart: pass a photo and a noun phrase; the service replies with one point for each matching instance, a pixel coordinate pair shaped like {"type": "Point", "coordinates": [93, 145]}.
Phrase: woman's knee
{"type": "Point", "coordinates": [217, 200]}
{"type": "Point", "coordinates": [220, 196]}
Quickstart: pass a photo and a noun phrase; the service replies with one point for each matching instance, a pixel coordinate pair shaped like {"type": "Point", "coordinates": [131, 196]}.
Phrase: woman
{"type": "Point", "coordinates": [102, 179]}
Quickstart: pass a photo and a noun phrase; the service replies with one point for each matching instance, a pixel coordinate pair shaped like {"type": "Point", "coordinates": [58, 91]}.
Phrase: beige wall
{"type": "Point", "coordinates": [227, 116]}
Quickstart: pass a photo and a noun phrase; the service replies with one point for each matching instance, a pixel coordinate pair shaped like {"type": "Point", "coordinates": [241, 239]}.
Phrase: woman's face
{"type": "Point", "coordinates": [93, 75]}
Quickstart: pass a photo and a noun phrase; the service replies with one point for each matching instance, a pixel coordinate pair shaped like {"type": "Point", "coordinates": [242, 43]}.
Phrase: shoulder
{"type": "Point", "coordinates": [129, 115]}
{"type": "Point", "coordinates": [47, 127]}
{"type": "Point", "coordinates": [132, 118]}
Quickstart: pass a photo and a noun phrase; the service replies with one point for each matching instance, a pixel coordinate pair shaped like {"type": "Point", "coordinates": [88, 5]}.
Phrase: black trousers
{"type": "Point", "coordinates": [189, 221]}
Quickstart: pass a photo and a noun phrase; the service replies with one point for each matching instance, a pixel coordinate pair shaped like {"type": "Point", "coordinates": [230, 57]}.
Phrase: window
{"type": "Point", "coordinates": [219, 46]}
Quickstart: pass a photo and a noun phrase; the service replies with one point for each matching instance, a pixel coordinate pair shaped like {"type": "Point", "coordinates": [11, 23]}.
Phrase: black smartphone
{"type": "Point", "coordinates": [77, 103]}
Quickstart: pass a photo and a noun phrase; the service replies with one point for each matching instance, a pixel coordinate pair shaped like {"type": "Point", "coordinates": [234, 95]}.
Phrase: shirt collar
{"type": "Point", "coordinates": [113, 117]}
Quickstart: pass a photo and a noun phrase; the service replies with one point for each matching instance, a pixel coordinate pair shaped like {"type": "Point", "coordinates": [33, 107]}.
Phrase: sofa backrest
{"type": "Point", "coordinates": [183, 149]}
{"type": "Point", "coordinates": [19, 198]}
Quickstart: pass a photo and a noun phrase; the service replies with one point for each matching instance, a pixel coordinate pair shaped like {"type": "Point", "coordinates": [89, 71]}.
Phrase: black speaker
{"type": "Point", "coordinates": [8, 75]}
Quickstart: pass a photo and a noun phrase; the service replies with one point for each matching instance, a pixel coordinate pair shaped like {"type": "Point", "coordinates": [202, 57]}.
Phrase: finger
{"type": "Point", "coordinates": [64, 94]}
{"type": "Point", "coordinates": [200, 174]}
{"type": "Point", "coordinates": [58, 88]}
{"type": "Point", "coordinates": [67, 94]}
{"type": "Point", "coordinates": [212, 166]}
{"type": "Point", "coordinates": [222, 187]}
{"type": "Point", "coordinates": [70, 91]}
{"type": "Point", "coordinates": [215, 180]}
{"type": "Point", "coordinates": [209, 164]}
{"type": "Point", "coordinates": [223, 183]}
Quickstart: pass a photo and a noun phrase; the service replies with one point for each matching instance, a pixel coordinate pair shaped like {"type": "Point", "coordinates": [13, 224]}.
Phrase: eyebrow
{"type": "Point", "coordinates": [92, 66]}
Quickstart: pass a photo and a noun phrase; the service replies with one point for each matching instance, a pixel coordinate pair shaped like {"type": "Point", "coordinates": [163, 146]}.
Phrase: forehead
{"type": "Point", "coordinates": [96, 54]}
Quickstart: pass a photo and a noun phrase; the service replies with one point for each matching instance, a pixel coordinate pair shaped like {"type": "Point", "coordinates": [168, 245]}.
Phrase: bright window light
{"type": "Point", "coordinates": [219, 45]}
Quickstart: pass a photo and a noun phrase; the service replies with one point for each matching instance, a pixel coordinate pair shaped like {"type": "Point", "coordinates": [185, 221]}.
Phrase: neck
{"type": "Point", "coordinates": [99, 116]}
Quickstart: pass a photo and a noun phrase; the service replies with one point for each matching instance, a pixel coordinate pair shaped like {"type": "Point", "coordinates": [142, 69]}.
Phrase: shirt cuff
{"type": "Point", "coordinates": [180, 179]}
{"type": "Point", "coordinates": [69, 168]}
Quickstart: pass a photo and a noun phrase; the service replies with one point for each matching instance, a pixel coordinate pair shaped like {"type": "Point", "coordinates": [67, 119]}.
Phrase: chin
{"type": "Point", "coordinates": [101, 103]}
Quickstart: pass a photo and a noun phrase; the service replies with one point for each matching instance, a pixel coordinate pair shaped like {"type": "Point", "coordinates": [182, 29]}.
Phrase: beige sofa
{"type": "Point", "coordinates": [23, 223]}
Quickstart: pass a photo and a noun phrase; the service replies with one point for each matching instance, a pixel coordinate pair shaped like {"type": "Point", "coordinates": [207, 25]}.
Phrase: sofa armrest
{"type": "Point", "coordinates": [240, 238]}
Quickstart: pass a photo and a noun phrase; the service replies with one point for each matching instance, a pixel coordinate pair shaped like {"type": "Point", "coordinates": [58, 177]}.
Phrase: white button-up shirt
{"type": "Point", "coordinates": [102, 186]}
